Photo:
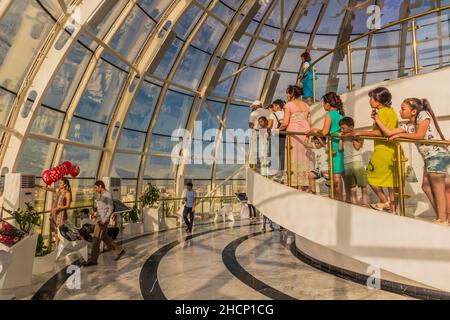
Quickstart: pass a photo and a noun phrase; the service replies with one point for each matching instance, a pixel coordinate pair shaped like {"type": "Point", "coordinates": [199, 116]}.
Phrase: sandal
{"type": "Point", "coordinates": [381, 206]}
{"type": "Point", "coordinates": [440, 222]}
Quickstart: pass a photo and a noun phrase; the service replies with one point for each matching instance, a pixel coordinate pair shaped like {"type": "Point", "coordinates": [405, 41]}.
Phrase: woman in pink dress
{"type": "Point", "coordinates": [297, 118]}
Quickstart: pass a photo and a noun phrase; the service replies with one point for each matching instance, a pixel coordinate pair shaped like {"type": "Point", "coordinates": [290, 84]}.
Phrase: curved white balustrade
{"type": "Point", "coordinates": [337, 233]}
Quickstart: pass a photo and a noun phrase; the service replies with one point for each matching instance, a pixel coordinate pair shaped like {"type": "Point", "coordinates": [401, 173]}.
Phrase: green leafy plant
{"type": "Point", "coordinates": [41, 249]}
{"type": "Point", "coordinates": [133, 215]}
{"type": "Point", "coordinates": [150, 196]}
{"type": "Point", "coordinates": [26, 220]}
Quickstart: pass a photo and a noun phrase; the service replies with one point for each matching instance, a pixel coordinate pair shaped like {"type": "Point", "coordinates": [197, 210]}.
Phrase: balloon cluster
{"type": "Point", "coordinates": [51, 176]}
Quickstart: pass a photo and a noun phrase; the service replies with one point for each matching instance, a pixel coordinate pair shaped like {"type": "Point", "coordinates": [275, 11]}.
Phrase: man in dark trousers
{"type": "Point", "coordinates": [189, 202]}
{"type": "Point", "coordinates": [105, 208]}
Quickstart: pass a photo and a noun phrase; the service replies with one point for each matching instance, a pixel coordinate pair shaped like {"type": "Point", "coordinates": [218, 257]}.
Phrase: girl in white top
{"type": "Point", "coordinates": [422, 125]}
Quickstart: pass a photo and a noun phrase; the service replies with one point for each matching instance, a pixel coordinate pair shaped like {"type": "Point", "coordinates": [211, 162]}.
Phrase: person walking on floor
{"type": "Point", "coordinates": [189, 202]}
{"type": "Point", "coordinates": [105, 208]}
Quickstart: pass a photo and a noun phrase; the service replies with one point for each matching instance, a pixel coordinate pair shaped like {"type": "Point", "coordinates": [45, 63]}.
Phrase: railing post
{"type": "Point", "coordinates": [289, 161]}
{"type": "Point", "coordinates": [314, 85]}
{"type": "Point", "coordinates": [349, 68]}
{"type": "Point", "coordinates": [414, 40]}
{"type": "Point", "coordinates": [331, 164]}
{"type": "Point", "coordinates": [400, 179]}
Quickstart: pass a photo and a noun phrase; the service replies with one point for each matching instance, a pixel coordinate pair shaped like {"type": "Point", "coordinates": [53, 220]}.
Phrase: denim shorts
{"type": "Point", "coordinates": [438, 163]}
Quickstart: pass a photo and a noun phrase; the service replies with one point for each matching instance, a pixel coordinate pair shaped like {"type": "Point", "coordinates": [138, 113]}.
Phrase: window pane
{"type": "Point", "coordinates": [6, 102]}
{"type": "Point", "coordinates": [88, 160]}
{"type": "Point", "coordinates": [174, 113]}
{"type": "Point", "coordinates": [132, 35]}
{"type": "Point", "coordinates": [48, 122]}
{"type": "Point", "coordinates": [87, 132]}
{"type": "Point", "coordinates": [159, 168]}
{"type": "Point", "coordinates": [102, 92]}
{"type": "Point", "coordinates": [68, 78]}
{"type": "Point", "coordinates": [125, 166]}
{"type": "Point", "coordinates": [23, 30]}
{"type": "Point", "coordinates": [143, 107]}
{"type": "Point", "coordinates": [192, 68]}
{"type": "Point", "coordinates": [36, 156]}
{"type": "Point", "coordinates": [132, 140]}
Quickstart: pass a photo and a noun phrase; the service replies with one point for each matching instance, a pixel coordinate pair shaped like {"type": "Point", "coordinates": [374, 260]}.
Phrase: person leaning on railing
{"type": "Point", "coordinates": [381, 172]}
{"type": "Point", "coordinates": [297, 118]}
{"type": "Point", "coordinates": [422, 125]}
{"type": "Point", "coordinates": [60, 204]}
{"type": "Point", "coordinates": [334, 109]}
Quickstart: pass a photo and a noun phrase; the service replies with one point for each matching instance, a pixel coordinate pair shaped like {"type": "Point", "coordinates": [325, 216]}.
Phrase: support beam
{"type": "Point", "coordinates": [164, 91]}
{"type": "Point", "coordinates": [38, 81]}
{"type": "Point", "coordinates": [205, 85]}
{"type": "Point", "coordinates": [160, 38]}
{"type": "Point", "coordinates": [273, 76]}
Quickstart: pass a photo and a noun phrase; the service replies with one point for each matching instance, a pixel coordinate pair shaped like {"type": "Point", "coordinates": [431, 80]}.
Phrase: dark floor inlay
{"type": "Point", "coordinates": [148, 278]}
{"type": "Point", "coordinates": [386, 285]}
{"type": "Point", "coordinates": [232, 264]}
{"type": "Point", "coordinates": [50, 288]}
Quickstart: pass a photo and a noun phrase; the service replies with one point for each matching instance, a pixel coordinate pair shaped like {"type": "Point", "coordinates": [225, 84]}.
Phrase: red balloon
{"type": "Point", "coordinates": [75, 171]}
{"type": "Point", "coordinates": [67, 166]}
{"type": "Point", "coordinates": [47, 178]}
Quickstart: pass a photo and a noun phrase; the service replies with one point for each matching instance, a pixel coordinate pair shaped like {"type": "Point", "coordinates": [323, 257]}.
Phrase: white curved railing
{"type": "Point", "coordinates": [352, 237]}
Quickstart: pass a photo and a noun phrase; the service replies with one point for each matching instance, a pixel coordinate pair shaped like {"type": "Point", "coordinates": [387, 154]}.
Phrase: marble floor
{"type": "Point", "coordinates": [217, 262]}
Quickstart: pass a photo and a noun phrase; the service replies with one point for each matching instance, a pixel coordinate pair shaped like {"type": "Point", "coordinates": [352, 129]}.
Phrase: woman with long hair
{"type": "Point", "coordinates": [381, 172]}
{"type": "Point", "coordinates": [334, 109]}
{"type": "Point", "coordinates": [60, 205]}
{"type": "Point", "coordinates": [423, 125]}
{"type": "Point", "coordinates": [297, 118]}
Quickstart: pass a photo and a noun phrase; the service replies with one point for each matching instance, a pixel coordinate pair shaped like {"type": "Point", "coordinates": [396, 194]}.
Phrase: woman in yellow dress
{"type": "Point", "coordinates": [381, 171]}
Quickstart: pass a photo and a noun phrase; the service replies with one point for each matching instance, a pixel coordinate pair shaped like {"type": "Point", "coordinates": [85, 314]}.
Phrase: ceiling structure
{"type": "Point", "coordinates": [104, 83]}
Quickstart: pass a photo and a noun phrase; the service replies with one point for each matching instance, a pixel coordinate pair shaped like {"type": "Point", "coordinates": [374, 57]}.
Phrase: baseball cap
{"type": "Point", "coordinates": [257, 103]}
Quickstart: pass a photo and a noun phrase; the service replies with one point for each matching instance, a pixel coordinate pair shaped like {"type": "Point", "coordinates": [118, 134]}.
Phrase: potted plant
{"type": "Point", "coordinates": [133, 225]}
{"type": "Point", "coordinates": [20, 241]}
{"type": "Point", "coordinates": [151, 213]}
{"type": "Point", "coordinates": [45, 257]}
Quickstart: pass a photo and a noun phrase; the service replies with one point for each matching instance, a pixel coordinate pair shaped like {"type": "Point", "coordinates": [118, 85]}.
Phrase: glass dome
{"type": "Point", "coordinates": [105, 84]}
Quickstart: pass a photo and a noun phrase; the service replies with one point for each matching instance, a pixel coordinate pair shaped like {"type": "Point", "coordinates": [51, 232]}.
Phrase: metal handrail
{"type": "Point", "coordinates": [399, 158]}
{"type": "Point", "coordinates": [137, 201]}
{"type": "Point", "coordinates": [347, 45]}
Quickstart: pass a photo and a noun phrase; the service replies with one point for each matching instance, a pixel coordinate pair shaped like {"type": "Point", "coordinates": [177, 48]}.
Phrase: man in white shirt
{"type": "Point", "coordinates": [105, 207]}
{"type": "Point", "coordinates": [189, 209]}
{"type": "Point", "coordinates": [257, 113]}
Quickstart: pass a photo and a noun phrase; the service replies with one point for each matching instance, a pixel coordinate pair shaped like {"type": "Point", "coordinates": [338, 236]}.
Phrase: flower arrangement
{"type": "Point", "coordinates": [10, 235]}
{"type": "Point", "coordinates": [150, 196]}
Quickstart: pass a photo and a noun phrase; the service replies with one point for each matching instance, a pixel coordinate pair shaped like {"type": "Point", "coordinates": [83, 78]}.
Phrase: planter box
{"type": "Point", "coordinates": [20, 270]}
{"type": "Point", "coordinates": [44, 264]}
{"type": "Point", "coordinates": [172, 222]}
{"type": "Point", "coordinates": [153, 219]}
{"type": "Point", "coordinates": [133, 228]}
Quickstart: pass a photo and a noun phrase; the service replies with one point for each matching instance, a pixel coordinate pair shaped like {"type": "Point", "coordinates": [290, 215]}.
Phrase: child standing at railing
{"type": "Point", "coordinates": [355, 173]}
{"type": "Point", "coordinates": [321, 167]}
{"type": "Point", "coordinates": [334, 107]}
{"type": "Point", "coordinates": [422, 125]}
{"type": "Point", "coordinates": [381, 172]}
